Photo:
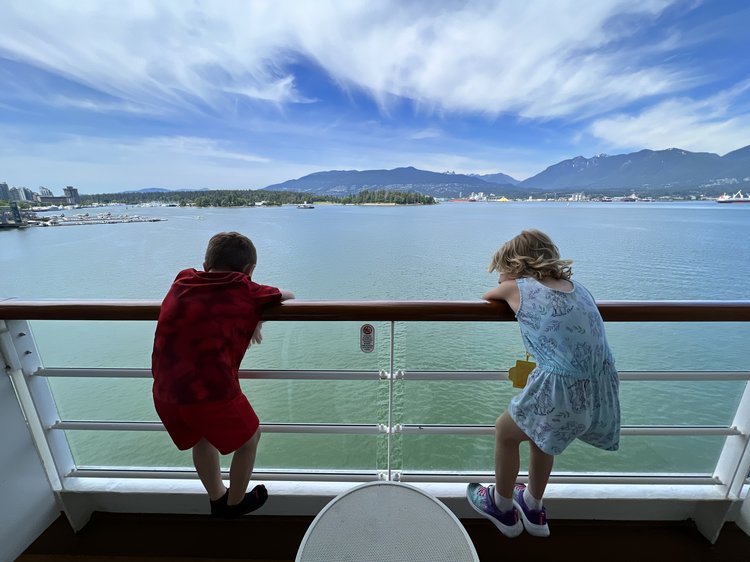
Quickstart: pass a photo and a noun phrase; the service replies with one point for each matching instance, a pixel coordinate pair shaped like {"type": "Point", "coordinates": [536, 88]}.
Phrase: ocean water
{"type": "Point", "coordinates": [635, 251]}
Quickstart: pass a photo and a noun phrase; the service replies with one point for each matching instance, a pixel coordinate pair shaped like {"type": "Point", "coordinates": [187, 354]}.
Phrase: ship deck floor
{"type": "Point", "coordinates": [112, 537]}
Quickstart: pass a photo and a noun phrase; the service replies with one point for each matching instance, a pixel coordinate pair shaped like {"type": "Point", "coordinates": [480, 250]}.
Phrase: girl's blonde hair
{"type": "Point", "coordinates": [531, 254]}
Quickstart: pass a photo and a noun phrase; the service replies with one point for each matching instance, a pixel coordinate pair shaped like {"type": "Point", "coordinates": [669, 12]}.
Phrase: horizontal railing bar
{"type": "Point", "coordinates": [469, 429]}
{"type": "Point", "coordinates": [684, 375]}
{"type": "Point", "coordinates": [190, 474]}
{"type": "Point", "coordinates": [404, 476]}
{"type": "Point", "coordinates": [376, 429]}
{"type": "Point", "coordinates": [244, 374]}
{"type": "Point", "coordinates": [587, 478]}
{"type": "Point", "coordinates": [476, 311]}
{"type": "Point", "coordinates": [406, 375]}
{"type": "Point", "coordinates": [624, 375]}
{"type": "Point", "coordinates": [325, 428]}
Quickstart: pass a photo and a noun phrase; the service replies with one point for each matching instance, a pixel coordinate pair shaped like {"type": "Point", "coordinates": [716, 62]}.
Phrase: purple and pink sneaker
{"type": "Point", "coordinates": [482, 500]}
{"type": "Point", "coordinates": [534, 520]}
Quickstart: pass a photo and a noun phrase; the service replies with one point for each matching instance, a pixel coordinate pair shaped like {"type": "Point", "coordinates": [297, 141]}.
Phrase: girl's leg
{"type": "Point", "coordinates": [208, 467]}
{"type": "Point", "coordinates": [540, 467]}
{"type": "Point", "coordinates": [508, 437]}
{"type": "Point", "coordinates": [241, 469]}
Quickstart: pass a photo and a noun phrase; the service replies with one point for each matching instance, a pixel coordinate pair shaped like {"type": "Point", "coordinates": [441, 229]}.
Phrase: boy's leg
{"type": "Point", "coordinates": [208, 467]}
{"type": "Point", "coordinates": [508, 438]}
{"type": "Point", "coordinates": [241, 469]}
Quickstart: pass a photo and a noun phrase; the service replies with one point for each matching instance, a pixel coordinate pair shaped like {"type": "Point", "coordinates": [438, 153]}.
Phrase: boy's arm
{"type": "Point", "coordinates": [257, 336]}
{"type": "Point", "coordinates": [286, 295]}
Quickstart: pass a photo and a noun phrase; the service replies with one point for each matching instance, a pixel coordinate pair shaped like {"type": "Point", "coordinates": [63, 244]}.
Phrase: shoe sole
{"type": "Point", "coordinates": [531, 528]}
{"type": "Point", "coordinates": [510, 532]}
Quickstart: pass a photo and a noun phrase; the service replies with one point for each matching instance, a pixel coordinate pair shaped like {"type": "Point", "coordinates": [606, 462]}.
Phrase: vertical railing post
{"type": "Point", "coordinates": [36, 400]}
{"type": "Point", "coordinates": [734, 462]}
{"type": "Point", "coordinates": [731, 471]}
{"type": "Point", "coordinates": [391, 376]}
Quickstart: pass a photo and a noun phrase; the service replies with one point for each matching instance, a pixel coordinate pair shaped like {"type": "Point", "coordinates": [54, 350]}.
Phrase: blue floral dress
{"type": "Point", "coordinates": [574, 390]}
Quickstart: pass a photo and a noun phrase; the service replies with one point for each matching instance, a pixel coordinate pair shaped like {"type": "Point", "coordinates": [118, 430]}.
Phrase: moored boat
{"type": "Point", "coordinates": [738, 197]}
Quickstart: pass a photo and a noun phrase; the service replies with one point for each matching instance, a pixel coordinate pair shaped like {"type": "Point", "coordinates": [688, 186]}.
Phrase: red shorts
{"type": "Point", "coordinates": [226, 425]}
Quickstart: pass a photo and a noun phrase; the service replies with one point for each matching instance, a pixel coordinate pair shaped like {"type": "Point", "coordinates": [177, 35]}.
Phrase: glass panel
{"type": "Point", "coordinates": [457, 346]}
{"type": "Point", "coordinates": [637, 454]}
{"type": "Point", "coordinates": [496, 346]}
{"type": "Point", "coordinates": [286, 345]}
{"type": "Point", "coordinates": [95, 399]}
{"type": "Point", "coordinates": [100, 344]}
{"type": "Point", "coordinates": [293, 401]}
{"type": "Point", "coordinates": [137, 449]}
{"type": "Point", "coordinates": [318, 401]}
{"type": "Point", "coordinates": [684, 346]}
{"type": "Point", "coordinates": [641, 402]}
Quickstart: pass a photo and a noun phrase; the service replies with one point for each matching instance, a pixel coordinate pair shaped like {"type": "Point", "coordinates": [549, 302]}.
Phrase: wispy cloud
{"type": "Point", "coordinates": [97, 106]}
{"type": "Point", "coordinates": [535, 59]}
{"type": "Point", "coordinates": [428, 133]}
{"type": "Point", "coordinates": [238, 93]}
{"type": "Point", "coordinates": [719, 123]}
{"type": "Point", "coordinates": [99, 164]}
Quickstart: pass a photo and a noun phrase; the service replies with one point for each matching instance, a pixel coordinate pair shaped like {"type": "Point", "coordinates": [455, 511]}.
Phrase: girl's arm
{"type": "Point", "coordinates": [506, 291]}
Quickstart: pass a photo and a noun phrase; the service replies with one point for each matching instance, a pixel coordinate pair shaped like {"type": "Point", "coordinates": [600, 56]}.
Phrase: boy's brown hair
{"type": "Point", "coordinates": [230, 251]}
{"type": "Point", "coordinates": [531, 254]}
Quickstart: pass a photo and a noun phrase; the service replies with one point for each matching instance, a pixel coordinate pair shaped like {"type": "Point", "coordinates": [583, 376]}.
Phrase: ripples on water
{"type": "Point", "coordinates": [621, 252]}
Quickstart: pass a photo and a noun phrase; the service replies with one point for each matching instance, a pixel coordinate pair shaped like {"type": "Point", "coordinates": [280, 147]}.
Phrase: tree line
{"type": "Point", "coordinates": [249, 197]}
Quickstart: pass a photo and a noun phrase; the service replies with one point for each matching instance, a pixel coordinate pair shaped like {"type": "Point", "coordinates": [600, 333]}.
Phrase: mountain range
{"type": "Point", "coordinates": [348, 182]}
{"type": "Point", "coordinates": [646, 171]}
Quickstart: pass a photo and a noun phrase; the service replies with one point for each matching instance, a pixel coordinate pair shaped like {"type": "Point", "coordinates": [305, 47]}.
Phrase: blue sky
{"type": "Point", "coordinates": [237, 94]}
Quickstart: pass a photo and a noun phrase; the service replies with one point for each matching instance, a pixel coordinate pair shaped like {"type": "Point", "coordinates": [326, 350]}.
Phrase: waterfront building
{"type": "Point", "coordinates": [4, 192]}
{"type": "Point", "coordinates": [10, 216]}
{"type": "Point", "coordinates": [72, 195]}
{"type": "Point", "coordinates": [53, 200]}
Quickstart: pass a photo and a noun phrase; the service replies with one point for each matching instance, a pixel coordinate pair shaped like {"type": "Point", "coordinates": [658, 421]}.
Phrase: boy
{"type": "Point", "coordinates": [207, 321]}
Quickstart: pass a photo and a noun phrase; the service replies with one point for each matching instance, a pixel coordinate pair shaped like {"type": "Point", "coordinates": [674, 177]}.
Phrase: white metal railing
{"type": "Point", "coordinates": [52, 426]}
{"type": "Point", "coordinates": [30, 380]}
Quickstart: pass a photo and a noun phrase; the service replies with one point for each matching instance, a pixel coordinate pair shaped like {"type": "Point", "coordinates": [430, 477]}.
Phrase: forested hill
{"type": "Point", "coordinates": [248, 197]}
{"type": "Point", "coordinates": [348, 182]}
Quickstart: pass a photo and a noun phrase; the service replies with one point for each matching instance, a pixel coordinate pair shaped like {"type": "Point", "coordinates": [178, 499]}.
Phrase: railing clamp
{"type": "Point", "coordinates": [395, 476]}
{"type": "Point", "coordinates": [384, 375]}
{"type": "Point", "coordinates": [383, 428]}
{"type": "Point", "coordinates": [399, 375]}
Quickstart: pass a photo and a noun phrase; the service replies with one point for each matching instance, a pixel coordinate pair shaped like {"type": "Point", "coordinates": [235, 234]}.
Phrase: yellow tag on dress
{"type": "Point", "coordinates": [520, 373]}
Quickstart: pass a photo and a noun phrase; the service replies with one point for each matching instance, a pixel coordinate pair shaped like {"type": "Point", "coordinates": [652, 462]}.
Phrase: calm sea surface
{"type": "Point", "coordinates": [621, 251]}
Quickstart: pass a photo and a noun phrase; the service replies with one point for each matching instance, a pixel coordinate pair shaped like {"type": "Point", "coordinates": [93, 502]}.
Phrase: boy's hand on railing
{"type": "Point", "coordinates": [257, 336]}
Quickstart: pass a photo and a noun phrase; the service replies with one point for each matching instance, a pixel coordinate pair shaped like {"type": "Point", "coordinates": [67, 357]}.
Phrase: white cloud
{"type": "Point", "coordinates": [97, 164]}
{"type": "Point", "coordinates": [534, 59]}
{"type": "Point", "coordinates": [428, 133]}
{"type": "Point", "coordinates": [719, 123]}
{"type": "Point", "coordinates": [97, 106]}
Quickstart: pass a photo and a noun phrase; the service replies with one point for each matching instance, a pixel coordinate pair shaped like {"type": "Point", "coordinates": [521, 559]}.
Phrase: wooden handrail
{"type": "Point", "coordinates": [413, 311]}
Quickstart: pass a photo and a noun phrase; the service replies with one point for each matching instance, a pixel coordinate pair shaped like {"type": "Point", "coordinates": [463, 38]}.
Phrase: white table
{"type": "Point", "coordinates": [386, 522]}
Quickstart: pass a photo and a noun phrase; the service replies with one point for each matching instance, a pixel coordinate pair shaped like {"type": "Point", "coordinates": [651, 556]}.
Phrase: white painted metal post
{"type": "Point", "coordinates": [42, 403]}
{"type": "Point", "coordinates": [18, 349]}
{"type": "Point", "coordinates": [731, 470]}
{"type": "Point", "coordinates": [390, 400]}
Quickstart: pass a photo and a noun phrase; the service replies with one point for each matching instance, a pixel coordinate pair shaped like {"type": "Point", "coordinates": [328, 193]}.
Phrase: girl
{"type": "Point", "coordinates": [572, 393]}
